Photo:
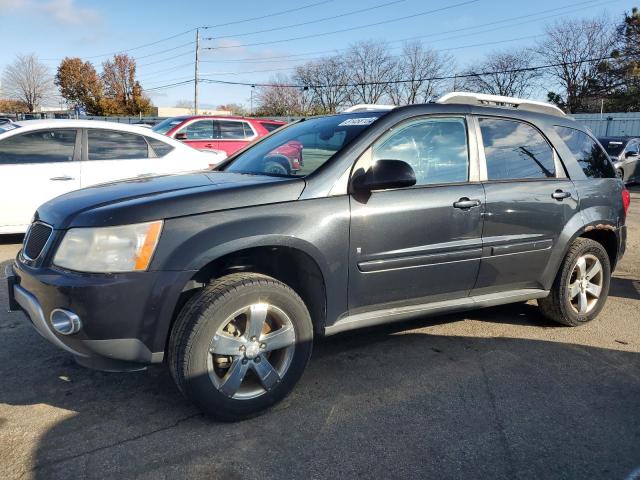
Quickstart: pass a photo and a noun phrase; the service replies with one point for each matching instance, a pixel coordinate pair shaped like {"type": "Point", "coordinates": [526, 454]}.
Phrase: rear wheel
{"type": "Point", "coordinates": [240, 345]}
{"type": "Point", "coordinates": [581, 286]}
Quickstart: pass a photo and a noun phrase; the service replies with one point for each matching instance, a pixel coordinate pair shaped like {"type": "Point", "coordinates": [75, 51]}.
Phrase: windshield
{"type": "Point", "coordinates": [164, 126]}
{"type": "Point", "coordinates": [613, 147]}
{"type": "Point", "coordinates": [302, 148]}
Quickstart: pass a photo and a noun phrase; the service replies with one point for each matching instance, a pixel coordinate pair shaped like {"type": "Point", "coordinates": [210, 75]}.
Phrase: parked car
{"type": "Point", "coordinates": [625, 155]}
{"type": "Point", "coordinates": [4, 121]}
{"type": "Point", "coordinates": [228, 134]}
{"type": "Point", "coordinates": [228, 275]}
{"type": "Point", "coordinates": [41, 159]}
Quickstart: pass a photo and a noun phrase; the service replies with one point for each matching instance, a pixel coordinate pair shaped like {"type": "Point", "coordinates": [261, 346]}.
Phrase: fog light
{"type": "Point", "coordinates": [65, 322]}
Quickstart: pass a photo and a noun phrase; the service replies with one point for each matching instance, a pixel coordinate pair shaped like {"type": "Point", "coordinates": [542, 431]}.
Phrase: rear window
{"type": "Point", "coordinates": [270, 127]}
{"type": "Point", "coordinates": [515, 150]}
{"type": "Point", "coordinates": [591, 158]}
{"type": "Point", "coordinates": [613, 147]}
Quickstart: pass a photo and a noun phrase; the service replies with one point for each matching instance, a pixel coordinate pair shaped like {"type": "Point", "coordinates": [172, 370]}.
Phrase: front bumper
{"type": "Point", "coordinates": [125, 317]}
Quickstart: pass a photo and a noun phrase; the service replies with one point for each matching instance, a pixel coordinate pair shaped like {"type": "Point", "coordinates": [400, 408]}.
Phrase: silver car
{"type": "Point", "coordinates": [625, 154]}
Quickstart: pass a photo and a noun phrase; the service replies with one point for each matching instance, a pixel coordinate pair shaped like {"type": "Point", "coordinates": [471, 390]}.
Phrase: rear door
{"type": "Point", "coordinates": [36, 167]}
{"type": "Point", "coordinates": [114, 155]}
{"type": "Point", "coordinates": [418, 245]}
{"type": "Point", "coordinates": [233, 135]}
{"type": "Point", "coordinates": [529, 200]}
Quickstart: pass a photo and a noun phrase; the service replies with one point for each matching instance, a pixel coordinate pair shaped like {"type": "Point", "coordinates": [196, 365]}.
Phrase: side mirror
{"type": "Point", "coordinates": [385, 174]}
{"type": "Point", "coordinates": [631, 154]}
{"type": "Point", "coordinates": [181, 136]}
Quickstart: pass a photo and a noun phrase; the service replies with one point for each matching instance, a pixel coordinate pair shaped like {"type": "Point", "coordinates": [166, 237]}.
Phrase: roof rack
{"type": "Point", "coordinates": [468, 98]}
{"type": "Point", "coordinates": [368, 107]}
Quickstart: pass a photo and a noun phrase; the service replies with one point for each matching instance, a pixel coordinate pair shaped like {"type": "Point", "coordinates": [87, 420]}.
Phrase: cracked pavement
{"type": "Point", "coordinates": [494, 393]}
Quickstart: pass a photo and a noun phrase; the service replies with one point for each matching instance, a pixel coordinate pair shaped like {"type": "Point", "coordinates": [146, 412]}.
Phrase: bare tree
{"type": "Point", "coordinates": [576, 48]}
{"type": "Point", "coordinates": [323, 84]}
{"type": "Point", "coordinates": [503, 73]}
{"type": "Point", "coordinates": [421, 71]}
{"type": "Point", "coordinates": [370, 64]}
{"type": "Point", "coordinates": [279, 98]}
{"type": "Point", "coordinates": [28, 81]}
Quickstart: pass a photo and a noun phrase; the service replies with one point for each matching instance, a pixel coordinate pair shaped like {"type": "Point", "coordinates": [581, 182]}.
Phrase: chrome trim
{"type": "Point", "coordinates": [33, 309]}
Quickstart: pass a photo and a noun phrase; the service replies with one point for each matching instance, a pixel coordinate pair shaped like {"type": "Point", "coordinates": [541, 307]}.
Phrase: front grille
{"type": "Point", "coordinates": [37, 237]}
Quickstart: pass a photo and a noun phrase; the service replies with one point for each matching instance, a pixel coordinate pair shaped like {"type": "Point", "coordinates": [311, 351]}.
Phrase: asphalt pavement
{"type": "Point", "coordinates": [496, 393]}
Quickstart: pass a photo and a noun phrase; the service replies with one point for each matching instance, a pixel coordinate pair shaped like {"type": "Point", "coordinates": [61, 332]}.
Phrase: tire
{"type": "Point", "coordinates": [564, 305]}
{"type": "Point", "coordinates": [222, 319]}
{"type": "Point", "coordinates": [276, 166]}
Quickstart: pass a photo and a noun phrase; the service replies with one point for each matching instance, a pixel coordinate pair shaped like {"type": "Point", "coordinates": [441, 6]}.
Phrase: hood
{"type": "Point", "coordinates": [153, 198]}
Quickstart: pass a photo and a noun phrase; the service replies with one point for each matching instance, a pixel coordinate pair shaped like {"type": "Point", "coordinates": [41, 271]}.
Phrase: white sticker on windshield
{"type": "Point", "coordinates": [358, 121]}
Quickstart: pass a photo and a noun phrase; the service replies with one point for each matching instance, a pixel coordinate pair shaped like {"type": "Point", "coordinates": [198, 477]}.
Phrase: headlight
{"type": "Point", "coordinates": [125, 248]}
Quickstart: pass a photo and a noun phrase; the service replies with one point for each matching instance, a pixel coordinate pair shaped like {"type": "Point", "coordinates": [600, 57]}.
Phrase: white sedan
{"type": "Point", "coordinates": [41, 159]}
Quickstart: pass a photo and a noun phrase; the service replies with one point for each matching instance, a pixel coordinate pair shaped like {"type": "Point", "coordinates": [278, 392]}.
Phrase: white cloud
{"type": "Point", "coordinates": [68, 13]}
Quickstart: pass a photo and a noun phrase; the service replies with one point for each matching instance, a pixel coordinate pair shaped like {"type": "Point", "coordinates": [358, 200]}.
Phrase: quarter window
{"type": "Point", "coordinates": [515, 150]}
{"type": "Point", "coordinates": [159, 147]}
{"type": "Point", "coordinates": [435, 148]}
{"type": "Point", "coordinates": [38, 147]}
{"type": "Point", "coordinates": [111, 145]}
{"type": "Point", "coordinates": [590, 156]}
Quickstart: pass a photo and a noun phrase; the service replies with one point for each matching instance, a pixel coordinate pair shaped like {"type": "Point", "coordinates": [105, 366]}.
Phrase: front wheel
{"type": "Point", "coordinates": [240, 345]}
{"type": "Point", "coordinates": [581, 286]}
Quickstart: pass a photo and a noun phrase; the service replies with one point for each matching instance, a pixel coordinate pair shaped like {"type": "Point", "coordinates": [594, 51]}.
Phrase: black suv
{"type": "Point", "coordinates": [228, 275]}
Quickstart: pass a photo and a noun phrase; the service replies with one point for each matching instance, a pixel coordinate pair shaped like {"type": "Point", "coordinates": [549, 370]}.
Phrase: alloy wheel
{"type": "Point", "coordinates": [585, 284]}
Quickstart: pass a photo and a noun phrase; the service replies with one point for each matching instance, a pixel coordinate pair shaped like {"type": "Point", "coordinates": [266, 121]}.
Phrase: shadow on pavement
{"type": "Point", "coordinates": [381, 403]}
{"type": "Point", "coordinates": [11, 239]}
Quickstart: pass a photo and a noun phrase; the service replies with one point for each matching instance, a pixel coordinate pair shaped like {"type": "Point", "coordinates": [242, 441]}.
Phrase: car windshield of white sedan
{"type": "Point", "coordinates": [302, 148]}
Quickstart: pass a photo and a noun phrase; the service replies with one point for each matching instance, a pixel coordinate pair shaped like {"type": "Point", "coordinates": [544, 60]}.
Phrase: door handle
{"type": "Point", "coordinates": [560, 195]}
{"type": "Point", "coordinates": [465, 203]}
{"type": "Point", "coordinates": [64, 178]}
{"type": "Point", "coordinates": [208, 145]}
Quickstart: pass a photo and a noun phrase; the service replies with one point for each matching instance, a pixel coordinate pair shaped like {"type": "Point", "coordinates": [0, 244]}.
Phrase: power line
{"type": "Point", "coordinates": [319, 20]}
{"type": "Point", "coordinates": [335, 51]}
{"type": "Point", "coordinates": [393, 82]}
{"type": "Point", "coordinates": [171, 85]}
{"type": "Point", "coordinates": [282, 12]}
{"type": "Point", "coordinates": [349, 29]}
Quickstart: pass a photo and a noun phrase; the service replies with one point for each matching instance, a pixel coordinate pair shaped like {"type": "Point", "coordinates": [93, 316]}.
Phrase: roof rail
{"type": "Point", "coordinates": [368, 107]}
{"type": "Point", "coordinates": [468, 98]}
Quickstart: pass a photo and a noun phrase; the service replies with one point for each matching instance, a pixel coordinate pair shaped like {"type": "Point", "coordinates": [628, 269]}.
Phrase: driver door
{"type": "Point", "coordinates": [420, 244]}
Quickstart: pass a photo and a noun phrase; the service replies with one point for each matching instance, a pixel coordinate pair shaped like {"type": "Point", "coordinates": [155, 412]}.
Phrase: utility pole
{"type": "Point", "coordinates": [195, 77]}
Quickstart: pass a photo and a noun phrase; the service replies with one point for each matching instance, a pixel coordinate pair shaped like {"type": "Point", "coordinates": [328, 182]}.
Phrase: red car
{"type": "Point", "coordinates": [228, 134]}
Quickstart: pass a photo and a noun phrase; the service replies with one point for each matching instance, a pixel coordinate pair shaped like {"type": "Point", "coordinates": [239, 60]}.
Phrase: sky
{"type": "Point", "coordinates": [161, 34]}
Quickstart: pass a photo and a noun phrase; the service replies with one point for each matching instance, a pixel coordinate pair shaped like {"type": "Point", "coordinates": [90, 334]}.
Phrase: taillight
{"type": "Point", "coordinates": [626, 200]}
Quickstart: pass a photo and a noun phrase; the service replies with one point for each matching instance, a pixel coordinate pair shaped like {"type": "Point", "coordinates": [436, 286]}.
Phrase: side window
{"type": "Point", "coordinates": [230, 130]}
{"type": "Point", "coordinates": [634, 147]}
{"type": "Point", "coordinates": [111, 145]}
{"type": "Point", "coordinates": [435, 148]}
{"type": "Point", "coordinates": [515, 150]}
{"type": "Point", "coordinates": [159, 147]}
{"type": "Point", "coordinates": [38, 147]}
{"type": "Point", "coordinates": [200, 130]}
{"type": "Point", "coordinates": [590, 156]}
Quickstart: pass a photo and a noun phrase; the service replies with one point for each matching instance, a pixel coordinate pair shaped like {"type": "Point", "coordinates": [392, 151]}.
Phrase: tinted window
{"type": "Point", "coordinates": [613, 147]}
{"type": "Point", "coordinates": [270, 127]}
{"type": "Point", "coordinates": [110, 145]}
{"type": "Point", "coordinates": [435, 148]}
{"type": "Point", "coordinates": [38, 147]}
{"type": "Point", "coordinates": [159, 147]}
{"type": "Point", "coordinates": [591, 158]}
{"type": "Point", "coordinates": [515, 150]}
{"type": "Point", "coordinates": [231, 130]}
{"type": "Point", "coordinates": [200, 130]}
